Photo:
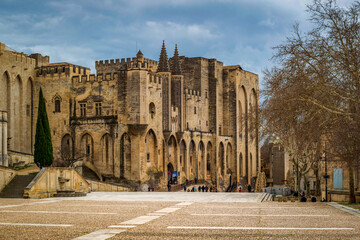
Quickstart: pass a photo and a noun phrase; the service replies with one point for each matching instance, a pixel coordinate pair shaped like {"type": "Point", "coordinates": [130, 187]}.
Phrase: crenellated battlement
{"type": "Point", "coordinates": [155, 80]}
{"type": "Point", "coordinates": [122, 62]}
{"type": "Point", "coordinates": [16, 57]}
{"type": "Point", "coordinates": [192, 94]}
{"type": "Point", "coordinates": [95, 78]}
{"type": "Point", "coordinates": [135, 63]}
{"type": "Point", "coordinates": [61, 69]}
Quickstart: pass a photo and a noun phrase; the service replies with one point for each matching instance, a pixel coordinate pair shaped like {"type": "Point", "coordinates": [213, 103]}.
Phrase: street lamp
{"type": "Point", "coordinates": [326, 176]}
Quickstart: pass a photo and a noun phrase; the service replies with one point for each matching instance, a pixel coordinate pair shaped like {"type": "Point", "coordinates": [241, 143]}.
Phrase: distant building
{"type": "Point", "coordinates": [275, 164]}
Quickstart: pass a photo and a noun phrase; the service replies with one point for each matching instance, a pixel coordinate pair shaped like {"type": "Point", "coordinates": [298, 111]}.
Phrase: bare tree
{"type": "Point", "coordinates": [315, 89]}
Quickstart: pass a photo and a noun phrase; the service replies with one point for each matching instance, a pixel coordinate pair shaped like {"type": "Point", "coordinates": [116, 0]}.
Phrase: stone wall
{"type": "Point", "coordinates": [50, 181]}
{"type": "Point", "coordinates": [6, 175]}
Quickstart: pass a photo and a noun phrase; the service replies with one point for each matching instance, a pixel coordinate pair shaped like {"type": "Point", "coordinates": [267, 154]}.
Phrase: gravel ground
{"type": "Point", "coordinates": [87, 216]}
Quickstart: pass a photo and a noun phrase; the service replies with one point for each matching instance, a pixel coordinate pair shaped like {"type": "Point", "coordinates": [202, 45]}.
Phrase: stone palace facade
{"type": "Point", "coordinates": [184, 117]}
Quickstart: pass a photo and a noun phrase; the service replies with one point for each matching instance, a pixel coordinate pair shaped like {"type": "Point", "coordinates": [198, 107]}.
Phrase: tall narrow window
{"type": "Point", "coordinates": [28, 110]}
{"type": "Point", "coordinates": [57, 105]}
{"type": "Point", "coordinates": [83, 110]}
{"type": "Point", "coordinates": [98, 109]}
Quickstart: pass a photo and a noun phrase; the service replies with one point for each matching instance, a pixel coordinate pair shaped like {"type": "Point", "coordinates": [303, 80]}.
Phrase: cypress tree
{"type": "Point", "coordinates": [43, 150]}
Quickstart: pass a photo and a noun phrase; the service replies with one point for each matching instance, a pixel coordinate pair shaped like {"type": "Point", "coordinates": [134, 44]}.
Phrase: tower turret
{"type": "Point", "coordinates": [163, 65]}
{"type": "Point", "coordinates": [176, 68]}
{"type": "Point", "coordinates": [140, 56]}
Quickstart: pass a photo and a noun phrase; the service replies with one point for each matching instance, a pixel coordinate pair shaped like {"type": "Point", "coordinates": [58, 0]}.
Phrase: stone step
{"type": "Point", "coordinates": [15, 189]}
{"type": "Point", "coordinates": [69, 194]}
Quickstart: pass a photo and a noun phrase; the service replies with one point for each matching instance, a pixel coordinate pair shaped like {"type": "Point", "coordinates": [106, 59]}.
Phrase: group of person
{"type": "Point", "coordinates": [202, 188]}
{"type": "Point", "coordinates": [248, 187]}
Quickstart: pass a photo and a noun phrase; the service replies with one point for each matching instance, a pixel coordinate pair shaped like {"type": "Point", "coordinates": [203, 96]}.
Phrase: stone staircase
{"type": "Point", "coordinates": [69, 194]}
{"type": "Point", "coordinates": [265, 197]}
{"type": "Point", "coordinates": [15, 189]}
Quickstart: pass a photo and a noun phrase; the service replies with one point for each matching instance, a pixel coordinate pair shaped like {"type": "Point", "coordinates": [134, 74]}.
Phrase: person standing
{"type": "Point", "coordinates": [169, 186]}
{"type": "Point", "coordinates": [240, 188]}
{"type": "Point", "coordinates": [249, 188]}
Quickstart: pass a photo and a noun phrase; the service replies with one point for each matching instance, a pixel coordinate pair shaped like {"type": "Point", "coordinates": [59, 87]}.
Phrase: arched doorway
{"type": "Point", "coordinates": [172, 174]}
{"type": "Point", "coordinates": [66, 147]}
{"type": "Point", "coordinates": [151, 149]}
{"type": "Point", "coordinates": [87, 146]}
{"type": "Point", "coordinates": [172, 155]}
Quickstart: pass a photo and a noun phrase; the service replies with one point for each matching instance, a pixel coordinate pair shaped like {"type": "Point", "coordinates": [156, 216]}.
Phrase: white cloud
{"type": "Point", "coordinates": [179, 31]}
{"type": "Point", "coordinates": [267, 23]}
{"type": "Point", "coordinates": [63, 53]}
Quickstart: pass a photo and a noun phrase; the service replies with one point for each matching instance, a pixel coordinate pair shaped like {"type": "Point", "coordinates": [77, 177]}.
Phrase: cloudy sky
{"type": "Point", "coordinates": [81, 31]}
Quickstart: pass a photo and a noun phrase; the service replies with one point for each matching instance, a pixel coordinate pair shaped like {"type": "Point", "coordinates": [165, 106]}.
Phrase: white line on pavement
{"type": "Point", "coordinates": [25, 204]}
{"type": "Point", "coordinates": [56, 212]}
{"type": "Point", "coordinates": [167, 210]}
{"type": "Point", "coordinates": [260, 207]}
{"type": "Point", "coordinates": [184, 203]}
{"type": "Point", "coordinates": [36, 224]}
{"type": "Point", "coordinates": [100, 234]}
{"type": "Point", "coordinates": [256, 215]}
{"type": "Point", "coordinates": [140, 220]}
{"type": "Point", "coordinates": [156, 214]}
{"type": "Point", "coordinates": [121, 226]}
{"type": "Point", "coordinates": [257, 228]}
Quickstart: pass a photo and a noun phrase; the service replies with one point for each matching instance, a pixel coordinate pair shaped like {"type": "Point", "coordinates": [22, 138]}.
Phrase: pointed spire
{"type": "Point", "coordinates": [163, 65]}
{"type": "Point", "coordinates": [140, 56]}
{"type": "Point", "coordinates": [175, 67]}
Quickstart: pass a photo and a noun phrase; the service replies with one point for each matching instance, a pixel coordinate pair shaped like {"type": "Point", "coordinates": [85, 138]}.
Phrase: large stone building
{"type": "Point", "coordinates": [184, 117]}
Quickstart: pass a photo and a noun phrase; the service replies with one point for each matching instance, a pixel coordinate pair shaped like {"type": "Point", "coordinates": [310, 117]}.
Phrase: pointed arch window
{"type": "Point", "coordinates": [57, 103]}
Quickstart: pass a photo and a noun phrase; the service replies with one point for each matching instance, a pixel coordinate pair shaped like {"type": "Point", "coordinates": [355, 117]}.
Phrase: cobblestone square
{"type": "Point", "coordinates": [159, 215]}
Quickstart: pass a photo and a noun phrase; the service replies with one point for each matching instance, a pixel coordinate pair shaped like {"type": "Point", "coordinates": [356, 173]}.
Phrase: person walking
{"type": "Point", "coordinates": [203, 188]}
{"type": "Point", "coordinates": [249, 188]}
{"type": "Point", "coordinates": [206, 188]}
{"type": "Point", "coordinates": [169, 186]}
{"type": "Point", "coordinates": [240, 188]}
{"type": "Point", "coordinates": [184, 188]}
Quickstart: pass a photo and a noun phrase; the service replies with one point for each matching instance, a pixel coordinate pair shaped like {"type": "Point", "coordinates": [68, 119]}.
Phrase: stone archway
{"type": "Point", "coordinates": [172, 153]}
{"type": "Point", "coordinates": [87, 147]}
{"type": "Point", "coordinates": [221, 159]}
{"type": "Point", "coordinates": [106, 150]}
{"type": "Point", "coordinates": [125, 156]}
{"type": "Point", "coordinates": [172, 174]}
{"type": "Point", "coordinates": [151, 149]}
{"type": "Point", "coordinates": [66, 150]}
{"type": "Point", "coordinates": [210, 162]}
{"type": "Point", "coordinates": [183, 159]}
{"type": "Point", "coordinates": [192, 160]}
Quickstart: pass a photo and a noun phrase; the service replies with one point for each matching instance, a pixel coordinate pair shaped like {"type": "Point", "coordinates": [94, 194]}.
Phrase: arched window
{"type": "Point", "coordinates": [152, 110]}
{"type": "Point", "coordinates": [57, 105]}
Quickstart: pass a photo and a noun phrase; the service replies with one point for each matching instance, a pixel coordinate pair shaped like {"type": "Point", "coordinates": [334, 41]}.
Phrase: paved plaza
{"type": "Point", "coordinates": [159, 215]}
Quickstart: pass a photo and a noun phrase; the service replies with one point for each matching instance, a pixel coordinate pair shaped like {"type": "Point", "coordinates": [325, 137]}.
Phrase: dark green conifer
{"type": "Point", "coordinates": [43, 150]}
